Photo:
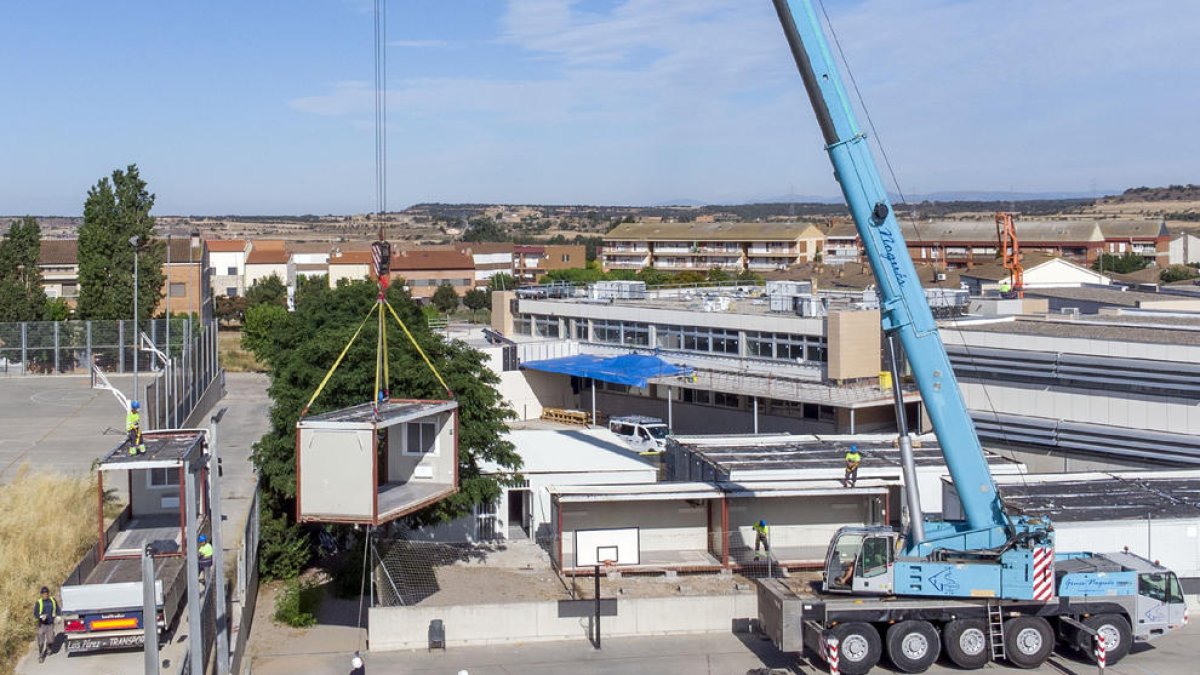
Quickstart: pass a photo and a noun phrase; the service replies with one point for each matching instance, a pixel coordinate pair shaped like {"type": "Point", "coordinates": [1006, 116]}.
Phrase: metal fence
{"type": "Point", "coordinates": [178, 370]}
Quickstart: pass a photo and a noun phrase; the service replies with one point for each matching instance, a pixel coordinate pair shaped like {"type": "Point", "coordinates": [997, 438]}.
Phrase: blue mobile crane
{"type": "Point", "coordinates": [991, 585]}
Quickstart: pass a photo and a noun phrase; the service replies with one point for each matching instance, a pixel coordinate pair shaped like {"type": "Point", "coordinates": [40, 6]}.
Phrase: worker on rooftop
{"type": "Point", "coordinates": [853, 459]}
{"type": "Point", "coordinates": [204, 553]}
{"type": "Point", "coordinates": [762, 537]}
{"type": "Point", "coordinates": [133, 429]}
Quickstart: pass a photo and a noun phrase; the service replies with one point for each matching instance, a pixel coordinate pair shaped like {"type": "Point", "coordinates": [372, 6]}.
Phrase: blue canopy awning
{"type": "Point", "coordinates": [631, 369]}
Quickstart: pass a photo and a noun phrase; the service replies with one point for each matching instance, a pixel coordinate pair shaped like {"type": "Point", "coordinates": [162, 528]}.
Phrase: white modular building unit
{"type": "Point", "coordinates": [370, 466]}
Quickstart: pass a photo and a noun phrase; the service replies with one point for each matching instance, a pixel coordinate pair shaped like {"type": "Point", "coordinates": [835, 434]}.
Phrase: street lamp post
{"type": "Point", "coordinates": [134, 241]}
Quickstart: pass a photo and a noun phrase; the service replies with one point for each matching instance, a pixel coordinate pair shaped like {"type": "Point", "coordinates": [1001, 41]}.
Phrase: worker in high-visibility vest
{"type": "Point", "coordinates": [45, 610]}
{"type": "Point", "coordinates": [762, 537]}
{"type": "Point", "coordinates": [133, 429]}
{"type": "Point", "coordinates": [853, 459]}
{"type": "Point", "coordinates": [204, 554]}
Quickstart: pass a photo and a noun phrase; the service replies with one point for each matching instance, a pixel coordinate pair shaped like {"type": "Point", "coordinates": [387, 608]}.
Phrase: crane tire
{"type": "Point", "coordinates": [1028, 641]}
{"type": "Point", "coordinates": [965, 643]}
{"type": "Point", "coordinates": [913, 645]}
{"type": "Point", "coordinates": [859, 647]}
{"type": "Point", "coordinates": [1117, 635]}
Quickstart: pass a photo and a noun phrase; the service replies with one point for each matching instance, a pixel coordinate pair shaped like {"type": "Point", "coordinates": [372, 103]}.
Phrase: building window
{"type": "Point", "coordinates": [669, 337]}
{"type": "Point", "coordinates": [162, 477]}
{"type": "Point", "coordinates": [566, 257]}
{"type": "Point", "coordinates": [178, 290]}
{"type": "Point", "coordinates": [701, 396]}
{"type": "Point", "coordinates": [546, 326]}
{"type": "Point", "coordinates": [726, 400]}
{"type": "Point", "coordinates": [522, 325]}
{"type": "Point", "coordinates": [231, 291]}
{"type": "Point", "coordinates": [606, 331]}
{"type": "Point", "coordinates": [580, 327]}
{"type": "Point", "coordinates": [724, 341]}
{"type": "Point", "coordinates": [420, 438]}
{"type": "Point", "coordinates": [231, 271]}
{"type": "Point", "coordinates": [637, 334]}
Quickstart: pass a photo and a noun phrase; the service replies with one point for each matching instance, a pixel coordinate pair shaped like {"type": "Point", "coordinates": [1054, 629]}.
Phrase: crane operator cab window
{"type": "Point", "coordinates": [859, 561]}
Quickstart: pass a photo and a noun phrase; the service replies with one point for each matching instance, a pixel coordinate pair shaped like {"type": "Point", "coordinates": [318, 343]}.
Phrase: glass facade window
{"type": "Point", "coordinates": [546, 326]}
{"type": "Point", "coordinates": [637, 334]}
{"type": "Point", "coordinates": [522, 324]}
{"type": "Point", "coordinates": [580, 328]}
{"type": "Point", "coordinates": [606, 331]}
{"type": "Point", "coordinates": [724, 341]}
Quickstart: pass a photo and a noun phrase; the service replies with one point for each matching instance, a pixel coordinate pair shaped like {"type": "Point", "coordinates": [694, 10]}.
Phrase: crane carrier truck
{"type": "Point", "coordinates": [990, 586]}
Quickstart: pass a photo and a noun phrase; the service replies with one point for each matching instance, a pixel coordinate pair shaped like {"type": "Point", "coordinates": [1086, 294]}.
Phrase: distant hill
{"type": "Point", "coordinates": [1170, 193]}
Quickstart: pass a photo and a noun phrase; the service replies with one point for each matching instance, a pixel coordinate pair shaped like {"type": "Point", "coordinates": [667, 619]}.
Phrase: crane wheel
{"type": "Point", "coordinates": [1028, 641]}
{"type": "Point", "coordinates": [859, 647]}
{"type": "Point", "coordinates": [965, 642]}
{"type": "Point", "coordinates": [1118, 637]}
{"type": "Point", "coordinates": [913, 646]}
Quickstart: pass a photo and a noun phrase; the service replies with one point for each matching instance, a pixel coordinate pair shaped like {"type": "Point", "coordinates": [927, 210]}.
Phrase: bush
{"type": "Point", "coordinates": [297, 605]}
{"type": "Point", "coordinates": [283, 549]}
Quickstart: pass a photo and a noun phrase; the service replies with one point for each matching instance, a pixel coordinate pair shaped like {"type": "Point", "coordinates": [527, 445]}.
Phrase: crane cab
{"type": "Point", "coordinates": [861, 560]}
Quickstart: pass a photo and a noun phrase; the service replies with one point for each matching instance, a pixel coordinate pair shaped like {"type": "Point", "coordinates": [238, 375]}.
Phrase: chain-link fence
{"type": "Point", "coordinates": [178, 358]}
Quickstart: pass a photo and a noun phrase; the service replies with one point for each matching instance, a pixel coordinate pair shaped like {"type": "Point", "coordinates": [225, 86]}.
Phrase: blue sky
{"type": "Point", "coordinates": [266, 106]}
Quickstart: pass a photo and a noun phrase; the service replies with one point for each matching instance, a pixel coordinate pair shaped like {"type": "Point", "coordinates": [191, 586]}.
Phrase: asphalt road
{"type": "Point", "coordinates": [716, 654]}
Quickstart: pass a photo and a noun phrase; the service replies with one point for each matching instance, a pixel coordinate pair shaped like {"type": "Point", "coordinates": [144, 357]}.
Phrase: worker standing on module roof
{"type": "Point", "coordinates": [45, 610]}
{"type": "Point", "coordinates": [133, 429]}
{"type": "Point", "coordinates": [762, 537]}
{"type": "Point", "coordinates": [853, 459]}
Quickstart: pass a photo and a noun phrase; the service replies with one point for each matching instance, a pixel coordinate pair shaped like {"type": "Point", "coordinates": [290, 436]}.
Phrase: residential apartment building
{"type": "Point", "coordinates": [842, 244]}
{"type": "Point", "coordinates": [348, 266]}
{"type": "Point", "coordinates": [490, 258]}
{"type": "Point", "coordinates": [531, 262]}
{"type": "Point", "coordinates": [423, 270]}
{"type": "Point", "coordinates": [734, 247]}
{"type": "Point", "coordinates": [227, 258]}
{"type": "Point", "coordinates": [58, 262]}
{"type": "Point", "coordinates": [266, 258]}
{"type": "Point", "coordinates": [1147, 238]}
{"type": "Point", "coordinates": [187, 285]}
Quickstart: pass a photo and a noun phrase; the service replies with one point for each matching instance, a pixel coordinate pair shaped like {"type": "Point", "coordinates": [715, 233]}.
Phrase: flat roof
{"type": "Point", "coordinates": [807, 453]}
{"type": "Point", "coordinates": [1092, 329]}
{"type": "Point", "coordinates": [667, 491]}
{"type": "Point", "coordinates": [394, 411]}
{"type": "Point", "coordinates": [722, 231]}
{"type": "Point", "coordinates": [572, 451]}
{"type": "Point", "coordinates": [164, 449]}
{"type": "Point", "coordinates": [1093, 496]}
{"type": "Point", "coordinates": [1103, 295]}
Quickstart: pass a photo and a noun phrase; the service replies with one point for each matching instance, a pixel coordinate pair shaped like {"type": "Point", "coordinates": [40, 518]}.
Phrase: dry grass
{"type": "Point", "coordinates": [233, 357]}
{"type": "Point", "coordinates": [47, 522]}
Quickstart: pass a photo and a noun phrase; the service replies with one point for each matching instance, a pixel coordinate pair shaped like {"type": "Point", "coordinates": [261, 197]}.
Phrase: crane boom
{"type": "Point", "coordinates": [905, 311]}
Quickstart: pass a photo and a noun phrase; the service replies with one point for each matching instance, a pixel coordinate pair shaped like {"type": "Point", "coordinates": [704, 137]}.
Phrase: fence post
{"type": "Point", "coordinates": [24, 348]}
{"type": "Point", "coordinates": [90, 358]}
{"type": "Point", "coordinates": [56, 343]}
{"type": "Point", "coordinates": [121, 346]}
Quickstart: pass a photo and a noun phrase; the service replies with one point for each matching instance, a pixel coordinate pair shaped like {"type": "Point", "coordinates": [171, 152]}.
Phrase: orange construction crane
{"type": "Point", "coordinates": [1010, 253]}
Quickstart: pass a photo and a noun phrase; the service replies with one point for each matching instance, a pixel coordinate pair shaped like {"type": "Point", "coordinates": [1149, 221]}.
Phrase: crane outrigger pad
{"type": "Point", "coordinates": [371, 464]}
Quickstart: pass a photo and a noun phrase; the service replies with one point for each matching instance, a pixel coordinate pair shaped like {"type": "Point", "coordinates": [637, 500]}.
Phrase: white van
{"type": "Point", "coordinates": [642, 433]}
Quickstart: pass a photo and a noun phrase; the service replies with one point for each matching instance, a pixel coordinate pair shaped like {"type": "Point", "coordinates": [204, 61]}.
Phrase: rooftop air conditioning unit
{"type": "Point", "coordinates": [940, 276]}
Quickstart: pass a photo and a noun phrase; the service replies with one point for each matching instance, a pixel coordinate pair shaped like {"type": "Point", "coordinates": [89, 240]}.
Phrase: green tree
{"type": "Point", "coordinates": [298, 347]}
{"type": "Point", "coordinates": [22, 297]}
{"type": "Point", "coordinates": [477, 299]}
{"type": "Point", "coordinates": [1175, 273]}
{"type": "Point", "coordinates": [57, 309]}
{"type": "Point", "coordinates": [1120, 264]}
{"type": "Point", "coordinates": [445, 298]}
{"type": "Point", "coordinates": [114, 212]}
{"type": "Point", "coordinates": [502, 282]}
{"type": "Point", "coordinates": [268, 291]}
{"type": "Point", "coordinates": [484, 228]}
{"type": "Point", "coordinates": [230, 309]}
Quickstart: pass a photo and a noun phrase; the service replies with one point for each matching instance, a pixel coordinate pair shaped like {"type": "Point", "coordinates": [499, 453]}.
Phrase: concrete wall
{"type": "Point", "coordinates": [665, 525]}
{"type": "Point", "coordinates": [855, 345]}
{"type": "Point", "coordinates": [258, 271]}
{"type": "Point", "coordinates": [690, 418]}
{"type": "Point", "coordinates": [796, 521]}
{"type": "Point", "coordinates": [502, 317]}
{"type": "Point", "coordinates": [396, 628]}
{"type": "Point", "coordinates": [529, 391]}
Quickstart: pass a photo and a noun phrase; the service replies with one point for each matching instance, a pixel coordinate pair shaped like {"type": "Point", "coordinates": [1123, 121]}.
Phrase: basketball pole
{"type": "Point", "coordinates": [597, 575]}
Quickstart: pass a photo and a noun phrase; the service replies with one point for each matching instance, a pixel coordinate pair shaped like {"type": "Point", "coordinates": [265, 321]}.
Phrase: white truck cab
{"type": "Point", "coordinates": [642, 433]}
